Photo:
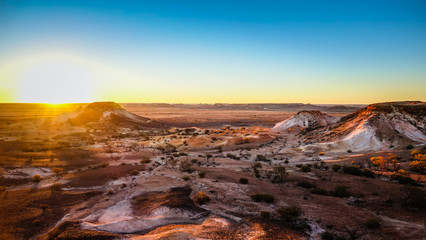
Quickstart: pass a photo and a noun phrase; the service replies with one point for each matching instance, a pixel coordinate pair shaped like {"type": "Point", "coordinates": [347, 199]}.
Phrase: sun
{"type": "Point", "coordinates": [56, 79]}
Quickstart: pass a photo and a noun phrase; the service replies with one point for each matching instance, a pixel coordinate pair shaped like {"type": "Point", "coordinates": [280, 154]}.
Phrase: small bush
{"type": "Point", "coordinates": [336, 167]}
{"type": "Point", "coordinates": [329, 236]}
{"type": "Point", "coordinates": [404, 180]}
{"type": "Point", "coordinates": [145, 160]}
{"type": "Point", "coordinates": [319, 191]}
{"type": "Point", "coordinates": [265, 214]}
{"type": "Point", "coordinates": [341, 191]}
{"type": "Point", "coordinates": [57, 171]}
{"type": "Point", "coordinates": [261, 158]}
{"type": "Point", "coordinates": [134, 172]}
{"type": "Point", "coordinates": [349, 151]}
{"type": "Point", "coordinates": [201, 198]}
{"type": "Point", "coordinates": [243, 180]}
{"type": "Point", "coordinates": [353, 170]}
{"type": "Point", "coordinates": [259, 197]}
{"type": "Point", "coordinates": [202, 174]}
{"type": "Point", "coordinates": [186, 178]}
{"type": "Point", "coordinates": [372, 224]}
{"type": "Point", "coordinates": [37, 178]}
{"type": "Point", "coordinates": [56, 187]}
{"type": "Point", "coordinates": [305, 184]}
{"type": "Point", "coordinates": [267, 198]}
{"type": "Point", "coordinates": [305, 168]}
{"type": "Point", "coordinates": [368, 173]}
{"type": "Point", "coordinates": [413, 197]}
{"type": "Point", "coordinates": [409, 146]}
{"type": "Point", "coordinates": [289, 213]}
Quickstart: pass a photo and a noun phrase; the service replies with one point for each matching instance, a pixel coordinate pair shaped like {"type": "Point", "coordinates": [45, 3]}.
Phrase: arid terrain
{"type": "Point", "coordinates": [219, 171]}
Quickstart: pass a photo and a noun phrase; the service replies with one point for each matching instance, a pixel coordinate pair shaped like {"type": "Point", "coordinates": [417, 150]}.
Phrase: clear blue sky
{"type": "Point", "coordinates": [213, 51]}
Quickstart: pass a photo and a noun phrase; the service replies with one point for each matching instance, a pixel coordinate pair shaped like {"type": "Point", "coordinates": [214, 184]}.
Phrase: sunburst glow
{"type": "Point", "coordinates": [56, 79]}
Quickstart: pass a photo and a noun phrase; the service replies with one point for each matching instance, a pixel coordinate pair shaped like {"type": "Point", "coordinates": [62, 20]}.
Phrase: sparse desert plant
{"type": "Point", "coordinates": [329, 236]}
{"type": "Point", "coordinates": [305, 168]}
{"type": "Point", "coordinates": [37, 178]}
{"type": "Point", "coordinates": [305, 184]}
{"type": "Point", "coordinates": [57, 171]}
{"type": "Point", "coordinates": [336, 167]}
{"type": "Point", "coordinates": [341, 191]}
{"type": "Point", "coordinates": [413, 197]}
{"type": "Point", "coordinates": [278, 174]}
{"type": "Point", "coordinates": [145, 160]}
{"type": "Point", "coordinates": [202, 174]}
{"type": "Point", "coordinates": [186, 178]}
{"type": "Point", "coordinates": [405, 180]}
{"type": "Point", "coordinates": [201, 198]}
{"type": "Point", "coordinates": [261, 158]}
{"type": "Point", "coordinates": [243, 180]}
{"type": "Point", "coordinates": [419, 164]}
{"type": "Point", "coordinates": [353, 170]}
{"type": "Point", "coordinates": [415, 152]}
{"type": "Point", "coordinates": [372, 224]}
{"type": "Point", "coordinates": [265, 214]}
{"type": "Point", "coordinates": [319, 191]}
{"type": "Point", "coordinates": [56, 187]}
{"type": "Point", "coordinates": [134, 172]}
{"type": "Point", "coordinates": [185, 166]}
{"type": "Point", "coordinates": [409, 146]}
{"type": "Point", "coordinates": [368, 173]}
{"type": "Point", "coordinates": [263, 197]}
{"type": "Point", "coordinates": [290, 213]}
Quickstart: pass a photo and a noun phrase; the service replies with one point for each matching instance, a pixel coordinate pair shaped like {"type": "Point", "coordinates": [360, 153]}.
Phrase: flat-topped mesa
{"type": "Point", "coordinates": [305, 119]}
{"type": "Point", "coordinates": [103, 106]}
{"type": "Point", "coordinates": [104, 114]}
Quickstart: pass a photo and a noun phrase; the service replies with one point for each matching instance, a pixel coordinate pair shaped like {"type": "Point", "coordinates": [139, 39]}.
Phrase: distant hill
{"type": "Point", "coordinates": [373, 127]}
{"type": "Point", "coordinates": [108, 114]}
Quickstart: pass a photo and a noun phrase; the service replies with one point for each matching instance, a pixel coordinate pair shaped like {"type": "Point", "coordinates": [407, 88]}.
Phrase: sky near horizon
{"type": "Point", "coordinates": [212, 51]}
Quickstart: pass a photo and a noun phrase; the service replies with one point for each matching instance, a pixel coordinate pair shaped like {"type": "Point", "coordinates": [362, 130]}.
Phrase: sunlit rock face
{"type": "Point", "coordinates": [375, 127]}
{"type": "Point", "coordinates": [305, 119]}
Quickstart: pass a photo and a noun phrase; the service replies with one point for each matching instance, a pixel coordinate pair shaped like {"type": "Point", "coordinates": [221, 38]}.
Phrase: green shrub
{"type": "Point", "coordinates": [372, 224]}
{"type": "Point", "coordinates": [305, 184]}
{"type": "Point", "coordinates": [37, 178]}
{"type": "Point", "coordinates": [404, 180]}
{"type": "Point", "coordinates": [202, 174]}
{"type": "Point", "coordinates": [145, 160]}
{"type": "Point", "coordinates": [336, 167]}
{"type": "Point", "coordinates": [201, 198]}
{"type": "Point", "coordinates": [186, 178]}
{"type": "Point", "coordinates": [341, 191]}
{"type": "Point", "coordinates": [289, 213]}
{"type": "Point", "coordinates": [409, 146]}
{"type": "Point", "coordinates": [265, 214]}
{"type": "Point", "coordinates": [134, 172]}
{"type": "Point", "coordinates": [319, 191]}
{"type": "Point", "coordinates": [305, 168]}
{"type": "Point", "coordinates": [259, 197]}
{"type": "Point", "coordinates": [56, 187]}
{"type": "Point", "coordinates": [413, 197]}
{"type": "Point", "coordinates": [243, 180]}
{"type": "Point", "coordinates": [353, 170]}
{"type": "Point", "coordinates": [368, 173]}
